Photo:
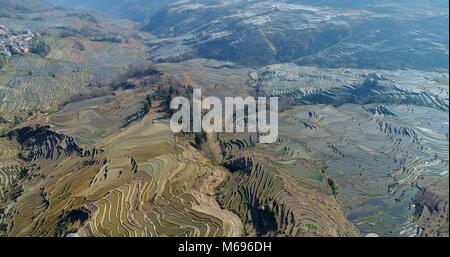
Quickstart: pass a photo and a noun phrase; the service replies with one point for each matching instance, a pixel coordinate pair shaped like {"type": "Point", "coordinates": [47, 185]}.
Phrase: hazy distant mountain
{"type": "Point", "coordinates": [131, 9]}
{"type": "Point", "coordinates": [10, 6]}
{"type": "Point", "coordinates": [366, 34]}
{"type": "Point", "coordinates": [142, 9]}
{"type": "Point", "coordinates": [385, 34]}
{"type": "Point", "coordinates": [368, 3]}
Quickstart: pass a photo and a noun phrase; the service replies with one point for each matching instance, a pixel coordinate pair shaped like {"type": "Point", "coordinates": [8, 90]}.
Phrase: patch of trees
{"type": "Point", "coordinates": [40, 48]}
{"type": "Point", "coordinates": [3, 62]}
{"type": "Point", "coordinates": [142, 71]}
{"type": "Point", "coordinates": [87, 32]}
{"type": "Point", "coordinates": [200, 138]}
{"type": "Point", "coordinates": [84, 16]}
{"type": "Point", "coordinates": [79, 46]}
{"type": "Point", "coordinates": [71, 222]}
{"type": "Point", "coordinates": [171, 90]}
{"type": "Point", "coordinates": [109, 39]}
{"type": "Point", "coordinates": [333, 186]}
{"type": "Point", "coordinates": [14, 190]}
{"type": "Point", "coordinates": [147, 105]}
{"type": "Point", "coordinates": [136, 70]}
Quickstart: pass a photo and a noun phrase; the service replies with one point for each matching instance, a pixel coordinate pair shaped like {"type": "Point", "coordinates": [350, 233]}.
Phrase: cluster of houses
{"type": "Point", "coordinates": [14, 42]}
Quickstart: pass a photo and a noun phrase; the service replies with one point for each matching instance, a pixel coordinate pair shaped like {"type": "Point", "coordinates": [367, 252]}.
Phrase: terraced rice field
{"type": "Point", "coordinates": [35, 84]}
{"type": "Point", "coordinates": [134, 182]}
{"type": "Point", "coordinates": [162, 192]}
{"type": "Point", "coordinates": [87, 56]}
{"type": "Point", "coordinates": [91, 120]}
{"type": "Point", "coordinates": [274, 180]}
{"type": "Point", "coordinates": [376, 161]}
{"type": "Point", "coordinates": [89, 151]}
{"type": "Point", "coordinates": [10, 164]}
{"type": "Point", "coordinates": [157, 206]}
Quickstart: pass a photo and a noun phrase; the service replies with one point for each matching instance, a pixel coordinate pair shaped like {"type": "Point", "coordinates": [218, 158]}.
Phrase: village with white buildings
{"type": "Point", "coordinates": [12, 43]}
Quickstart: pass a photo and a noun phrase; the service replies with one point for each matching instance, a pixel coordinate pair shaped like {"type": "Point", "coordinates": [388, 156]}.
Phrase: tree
{"type": "Point", "coordinates": [39, 47]}
{"type": "Point", "coordinates": [333, 186]}
{"type": "Point", "coordinates": [3, 62]}
{"type": "Point", "coordinates": [200, 138]}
